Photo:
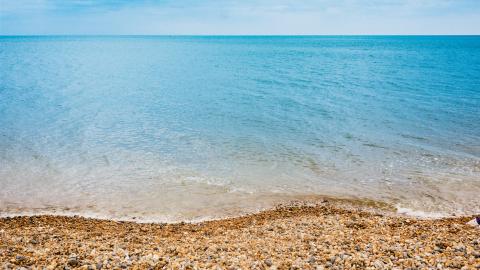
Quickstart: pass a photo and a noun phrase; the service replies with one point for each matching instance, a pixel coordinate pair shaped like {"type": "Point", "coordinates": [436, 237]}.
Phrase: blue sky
{"type": "Point", "coordinates": [239, 17]}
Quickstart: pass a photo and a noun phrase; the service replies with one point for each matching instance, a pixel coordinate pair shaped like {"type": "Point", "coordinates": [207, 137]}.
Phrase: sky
{"type": "Point", "coordinates": [239, 17]}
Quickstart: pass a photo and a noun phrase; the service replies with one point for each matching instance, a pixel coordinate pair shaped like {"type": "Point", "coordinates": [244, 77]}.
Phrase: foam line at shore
{"type": "Point", "coordinates": [307, 201]}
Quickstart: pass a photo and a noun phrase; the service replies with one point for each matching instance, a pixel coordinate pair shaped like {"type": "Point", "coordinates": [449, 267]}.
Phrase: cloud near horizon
{"type": "Point", "coordinates": [238, 17]}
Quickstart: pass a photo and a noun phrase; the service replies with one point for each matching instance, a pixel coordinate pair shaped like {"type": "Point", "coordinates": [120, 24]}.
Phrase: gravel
{"type": "Point", "coordinates": [288, 237]}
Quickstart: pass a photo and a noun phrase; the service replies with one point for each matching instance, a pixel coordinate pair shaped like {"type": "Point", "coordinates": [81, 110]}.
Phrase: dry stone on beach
{"type": "Point", "coordinates": [324, 236]}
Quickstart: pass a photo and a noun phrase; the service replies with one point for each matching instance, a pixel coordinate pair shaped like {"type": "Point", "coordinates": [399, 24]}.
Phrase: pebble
{"type": "Point", "coordinates": [378, 264]}
{"type": "Point", "coordinates": [20, 258]}
{"type": "Point", "coordinates": [73, 260]}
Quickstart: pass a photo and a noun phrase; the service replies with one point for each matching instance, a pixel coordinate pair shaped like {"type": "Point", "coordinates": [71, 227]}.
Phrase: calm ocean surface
{"type": "Point", "coordinates": [175, 128]}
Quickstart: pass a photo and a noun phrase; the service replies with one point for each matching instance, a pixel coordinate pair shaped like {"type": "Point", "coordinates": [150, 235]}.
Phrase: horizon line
{"type": "Point", "coordinates": [225, 35]}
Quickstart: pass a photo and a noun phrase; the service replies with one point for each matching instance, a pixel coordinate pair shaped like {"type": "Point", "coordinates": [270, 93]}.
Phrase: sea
{"type": "Point", "coordinates": [186, 128]}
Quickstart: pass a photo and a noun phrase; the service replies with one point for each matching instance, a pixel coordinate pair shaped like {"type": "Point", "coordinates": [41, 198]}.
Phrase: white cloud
{"type": "Point", "coordinates": [240, 17]}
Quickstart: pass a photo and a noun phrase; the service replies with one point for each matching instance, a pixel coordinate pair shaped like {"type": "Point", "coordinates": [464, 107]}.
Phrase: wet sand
{"type": "Point", "coordinates": [324, 236]}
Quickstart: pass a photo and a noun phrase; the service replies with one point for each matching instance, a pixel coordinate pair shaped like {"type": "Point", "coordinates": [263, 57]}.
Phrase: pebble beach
{"type": "Point", "coordinates": [321, 236]}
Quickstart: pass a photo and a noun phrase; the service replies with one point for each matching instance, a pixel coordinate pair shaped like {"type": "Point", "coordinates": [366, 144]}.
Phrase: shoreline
{"type": "Point", "coordinates": [359, 204]}
{"type": "Point", "coordinates": [286, 237]}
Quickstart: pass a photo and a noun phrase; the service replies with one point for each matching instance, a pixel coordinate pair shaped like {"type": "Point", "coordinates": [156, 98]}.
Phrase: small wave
{"type": "Point", "coordinates": [418, 138]}
{"type": "Point", "coordinates": [373, 145]}
{"type": "Point", "coordinates": [420, 213]}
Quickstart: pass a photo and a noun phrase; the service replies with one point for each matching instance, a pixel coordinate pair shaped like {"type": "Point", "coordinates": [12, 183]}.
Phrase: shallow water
{"type": "Point", "coordinates": [173, 128]}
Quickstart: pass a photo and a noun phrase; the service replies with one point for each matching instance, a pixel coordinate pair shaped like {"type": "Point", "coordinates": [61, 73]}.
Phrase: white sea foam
{"type": "Point", "coordinates": [420, 213]}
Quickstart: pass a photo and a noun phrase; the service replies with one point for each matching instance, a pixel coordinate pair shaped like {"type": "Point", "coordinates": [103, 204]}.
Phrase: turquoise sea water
{"type": "Point", "coordinates": [171, 128]}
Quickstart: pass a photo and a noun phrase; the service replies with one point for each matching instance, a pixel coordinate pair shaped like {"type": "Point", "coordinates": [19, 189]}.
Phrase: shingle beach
{"type": "Point", "coordinates": [324, 236]}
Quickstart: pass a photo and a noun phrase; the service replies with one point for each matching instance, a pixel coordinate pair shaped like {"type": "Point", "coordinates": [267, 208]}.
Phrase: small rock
{"type": "Point", "coordinates": [378, 264]}
{"type": "Point", "coordinates": [460, 248]}
{"type": "Point", "coordinates": [20, 258]}
{"type": "Point", "coordinates": [474, 222]}
{"type": "Point", "coordinates": [332, 259]}
{"type": "Point", "coordinates": [268, 262]}
{"type": "Point", "coordinates": [73, 260]}
{"type": "Point", "coordinates": [440, 246]}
